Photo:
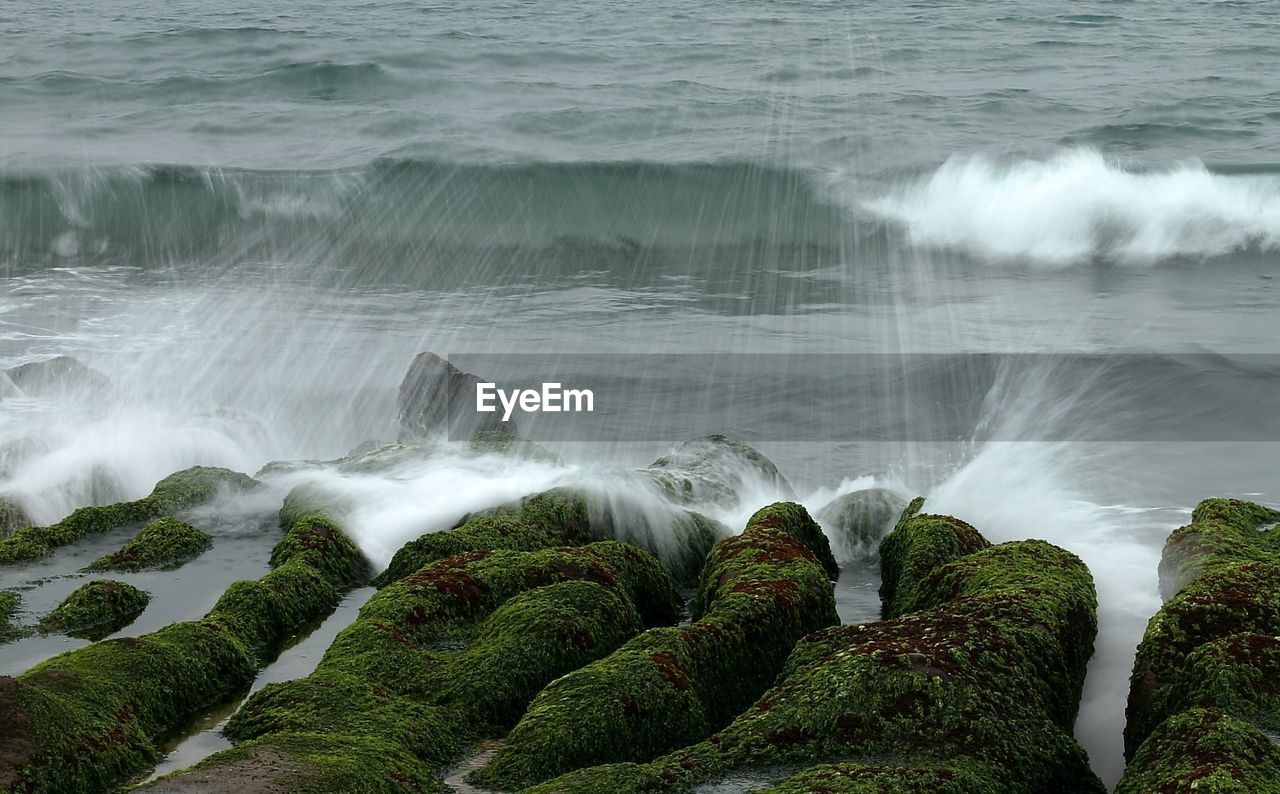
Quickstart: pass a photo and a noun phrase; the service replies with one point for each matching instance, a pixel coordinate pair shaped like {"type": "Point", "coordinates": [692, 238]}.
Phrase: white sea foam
{"type": "Point", "coordinates": [1077, 206]}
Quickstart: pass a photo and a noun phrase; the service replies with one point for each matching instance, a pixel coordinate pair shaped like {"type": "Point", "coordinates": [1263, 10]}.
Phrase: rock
{"type": "Point", "coordinates": [12, 517]}
{"type": "Point", "coordinates": [1204, 749]}
{"type": "Point", "coordinates": [908, 558]}
{"type": "Point", "coordinates": [716, 470]}
{"type": "Point", "coordinates": [436, 659]}
{"type": "Point", "coordinates": [761, 592]}
{"type": "Point", "coordinates": [165, 542]}
{"type": "Point", "coordinates": [56, 375]}
{"type": "Point", "coordinates": [855, 522]}
{"type": "Point", "coordinates": [109, 705]}
{"type": "Point", "coordinates": [553, 518]}
{"type": "Point", "coordinates": [436, 398]}
{"type": "Point", "coordinates": [1204, 676]}
{"type": "Point", "coordinates": [975, 683]}
{"type": "Point", "coordinates": [96, 609]}
{"type": "Point", "coordinates": [181, 490]}
{"type": "Point", "coordinates": [8, 606]}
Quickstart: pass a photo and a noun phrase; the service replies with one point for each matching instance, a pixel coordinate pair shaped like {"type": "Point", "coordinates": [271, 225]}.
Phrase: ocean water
{"type": "Point", "coordinates": [250, 217]}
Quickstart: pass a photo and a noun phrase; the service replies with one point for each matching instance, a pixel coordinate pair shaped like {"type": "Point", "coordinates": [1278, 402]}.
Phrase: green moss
{"type": "Point", "coordinates": [502, 441]}
{"type": "Point", "coordinates": [1222, 532]}
{"type": "Point", "coordinates": [982, 677]}
{"type": "Point", "coordinates": [855, 778]}
{"type": "Point", "coordinates": [313, 763]}
{"type": "Point", "coordinates": [179, 491]}
{"type": "Point", "coordinates": [90, 718]}
{"type": "Point", "coordinates": [8, 606]}
{"type": "Point", "coordinates": [1236, 599]}
{"type": "Point", "coordinates": [1205, 675]}
{"type": "Point", "coordinates": [918, 546]}
{"type": "Point", "coordinates": [545, 520]}
{"type": "Point", "coordinates": [163, 543]}
{"type": "Point", "coordinates": [1239, 674]}
{"type": "Point", "coordinates": [97, 608]}
{"type": "Point", "coordinates": [1204, 750]}
{"type": "Point", "coordinates": [438, 658]}
{"type": "Point", "coordinates": [761, 592]}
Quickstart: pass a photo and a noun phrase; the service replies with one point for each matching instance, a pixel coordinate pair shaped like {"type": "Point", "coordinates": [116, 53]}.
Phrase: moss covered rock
{"type": "Point", "coordinates": [12, 517]}
{"type": "Point", "coordinates": [1221, 532]}
{"type": "Point", "coordinates": [975, 689]}
{"type": "Point", "coordinates": [715, 469]}
{"type": "Point", "coordinates": [553, 518]}
{"type": "Point", "coordinates": [91, 718]}
{"type": "Point", "coordinates": [8, 606]}
{"type": "Point", "coordinates": [1204, 750]}
{"type": "Point", "coordinates": [856, 522]}
{"type": "Point", "coordinates": [760, 593]}
{"type": "Point", "coordinates": [1205, 677]}
{"type": "Point", "coordinates": [439, 658]}
{"type": "Point", "coordinates": [179, 491]}
{"type": "Point", "coordinates": [97, 608]}
{"type": "Point", "coordinates": [957, 777]}
{"type": "Point", "coordinates": [163, 543]}
{"type": "Point", "coordinates": [918, 546]}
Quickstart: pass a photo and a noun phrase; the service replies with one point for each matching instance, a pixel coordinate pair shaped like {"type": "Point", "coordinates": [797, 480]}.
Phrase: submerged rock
{"type": "Point", "coordinates": [974, 686]}
{"type": "Point", "coordinates": [92, 718]}
{"type": "Point", "coordinates": [12, 517]}
{"type": "Point", "coordinates": [60, 374]}
{"type": "Point", "coordinates": [163, 543]}
{"type": "Point", "coordinates": [718, 470]}
{"type": "Point", "coordinates": [179, 491]}
{"type": "Point", "coordinates": [855, 522]}
{"type": "Point", "coordinates": [434, 661]}
{"type": "Point", "coordinates": [96, 609]}
{"type": "Point", "coordinates": [1203, 690]}
{"type": "Point", "coordinates": [436, 398]}
{"type": "Point", "coordinates": [760, 593]}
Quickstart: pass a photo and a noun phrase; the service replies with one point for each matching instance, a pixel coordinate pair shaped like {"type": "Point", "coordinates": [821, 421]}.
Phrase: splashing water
{"type": "Point", "coordinates": [1076, 206]}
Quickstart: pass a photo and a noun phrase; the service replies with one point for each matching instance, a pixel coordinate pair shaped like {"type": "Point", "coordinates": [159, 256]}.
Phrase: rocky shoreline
{"type": "Point", "coordinates": [545, 645]}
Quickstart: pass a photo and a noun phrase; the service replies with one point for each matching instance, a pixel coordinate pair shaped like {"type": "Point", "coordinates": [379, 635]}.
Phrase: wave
{"type": "Point", "coordinates": [313, 79]}
{"type": "Point", "coordinates": [399, 208]}
{"type": "Point", "coordinates": [1077, 207]}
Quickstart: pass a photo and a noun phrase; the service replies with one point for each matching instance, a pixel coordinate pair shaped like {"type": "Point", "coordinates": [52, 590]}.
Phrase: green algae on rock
{"type": "Point", "coordinates": [1204, 750]}
{"type": "Point", "coordinates": [909, 558]}
{"type": "Point", "coordinates": [91, 718]}
{"type": "Point", "coordinates": [437, 659]}
{"type": "Point", "coordinates": [96, 609]}
{"type": "Point", "coordinates": [179, 491]}
{"type": "Point", "coordinates": [977, 683]}
{"type": "Point", "coordinates": [8, 606]}
{"type": "Point", "coordinates": [12, 517]}
{"type": "Point", "coordinates": [857, 521]}
{"type": "Point", "coordinates": [715, 469]}
{"type": "Point", "coordinates": [760, 593]}
{"type": "Point", "coordinates": [1204, 684]}
{"type": "Point", "coordinates": [958, 777]}
{"type": "Point", "coordinates": [163, 543]}
{"type": "Point", "coordinates": [552, 518]}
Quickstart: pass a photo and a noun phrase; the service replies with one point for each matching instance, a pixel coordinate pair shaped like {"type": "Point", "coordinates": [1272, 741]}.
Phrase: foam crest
{"type": "Point", "coordinates": [1076, 207]}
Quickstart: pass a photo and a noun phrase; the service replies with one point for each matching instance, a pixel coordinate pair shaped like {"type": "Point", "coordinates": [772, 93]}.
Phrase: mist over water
{"type": "Point", "coordinates": [249, 219]}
